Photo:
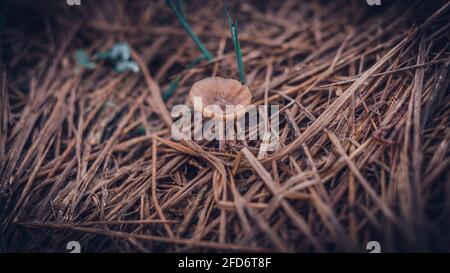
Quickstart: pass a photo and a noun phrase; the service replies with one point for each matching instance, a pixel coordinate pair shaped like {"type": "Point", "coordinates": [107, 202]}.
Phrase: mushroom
{"type": "Point", "coordinates": [211, 96]}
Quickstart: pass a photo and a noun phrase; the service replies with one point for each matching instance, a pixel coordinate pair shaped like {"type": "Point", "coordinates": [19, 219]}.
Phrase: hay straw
{"type": "Point", "coordinates": [87, 155]}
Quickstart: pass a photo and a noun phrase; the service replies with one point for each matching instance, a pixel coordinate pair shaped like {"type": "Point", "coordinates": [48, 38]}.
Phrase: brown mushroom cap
{"type": "Point", "coordinates": [220, 92]}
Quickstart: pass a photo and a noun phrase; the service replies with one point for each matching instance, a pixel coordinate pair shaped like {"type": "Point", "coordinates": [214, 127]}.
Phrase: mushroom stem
{"type": "Point", "coordinates": [222, 139]}
{"type": "Point", "coordinates": [221, 145]}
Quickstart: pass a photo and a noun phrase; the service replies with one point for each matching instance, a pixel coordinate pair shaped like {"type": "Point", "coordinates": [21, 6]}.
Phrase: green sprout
{"type": "Point", "coordinates": [176, 8]}
{"type": "Point", "coordinates": [237, 47]}
{"type": "Point", "coordinates": [83, 59]}
{"type": "Point", "coordinates": [119, 56]}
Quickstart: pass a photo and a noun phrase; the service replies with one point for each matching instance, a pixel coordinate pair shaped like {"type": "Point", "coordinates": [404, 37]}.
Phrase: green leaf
{"type": "Point", "coordinates": [120, 51]}
{"type": "Point", "coordinates": [122, 66]}
{"type": "Point", "coordinates": [83, 59]}
{"type": "Point", "coordinates": [120, 57]}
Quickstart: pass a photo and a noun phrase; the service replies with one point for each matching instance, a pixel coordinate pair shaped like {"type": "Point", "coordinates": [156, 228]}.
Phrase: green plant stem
{"type": "Point", "coordinates": [238, 51]}
{"type": "Point", "coordinates": [236, 44]}
{"type": "Point", "coordinates": [189, 30]}
{"type": "Point", "coordinates": [179, 4]}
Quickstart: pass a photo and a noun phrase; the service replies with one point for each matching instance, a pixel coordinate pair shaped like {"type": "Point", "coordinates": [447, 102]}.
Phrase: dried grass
{"type": "Point", "coordinates": [86, 154]}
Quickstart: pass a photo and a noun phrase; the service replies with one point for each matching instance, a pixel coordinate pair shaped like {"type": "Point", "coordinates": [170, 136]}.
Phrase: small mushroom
{"type": "Point", "coordinates": [211, 96]}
